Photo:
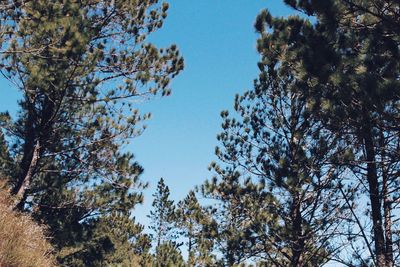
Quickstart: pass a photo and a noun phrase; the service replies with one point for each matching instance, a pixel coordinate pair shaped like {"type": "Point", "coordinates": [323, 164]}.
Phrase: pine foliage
{"type": "Point", "coordinates": [81, 66]}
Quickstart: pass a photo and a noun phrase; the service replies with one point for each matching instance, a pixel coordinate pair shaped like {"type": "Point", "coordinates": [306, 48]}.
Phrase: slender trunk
{"type": "Point", "coordinates": [190, 256]}
{"type": "Point", "coordinates": [388, 225]}
{"type": "Point", "coordinates": [29, 159]}
{"type": "Point", "coordinates": [25, 181]}
{"type": "Point", "coordinates": [159, 234]}
{"type": "Point", "coordinates": [297, 238]}
{"type": "Point", "coordinates": [374, 195]}
{"type": "Point", "coordinates": [34, 137]}
{"type": "Point", "coordinates": [386, 208]}
{"type": "Point", "coordinates": [231, 248]}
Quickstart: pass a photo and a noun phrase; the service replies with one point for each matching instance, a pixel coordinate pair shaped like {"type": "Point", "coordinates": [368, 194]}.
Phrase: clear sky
{"type": "Point", "coordinates": [218, 42]}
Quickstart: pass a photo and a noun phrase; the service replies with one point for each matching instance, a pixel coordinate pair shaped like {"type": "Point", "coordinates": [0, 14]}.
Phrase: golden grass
{"type": "Point", "coordinates": [22, 241]}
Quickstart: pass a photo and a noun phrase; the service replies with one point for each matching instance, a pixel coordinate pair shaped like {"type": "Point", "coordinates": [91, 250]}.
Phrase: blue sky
{"type": "Point", "coordinates": [218, 42]}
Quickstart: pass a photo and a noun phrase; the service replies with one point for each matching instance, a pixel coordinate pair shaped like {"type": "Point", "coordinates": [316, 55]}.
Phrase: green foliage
{"type": "Point", "coordinates": [115, 240]}
{"type": "Point", "coordinates": [6, 161]}
{"type": "Point", "coordinates": [235, 216]}
{"type": "Point", "coordinates": [167, 255]}
{"type": "Point", "coordinates": [316, 136]}
{"type": "Point", "coordinates": [346, 64]}
{"type": "Point", "coordinates": [275, 211]}
{"type": "Point", "coordinates": [191, 220]}
{"type": "Point", "coordinates": [162, 216]}
{"type": "Point", "coordinates": [321, 115]}
{"type": "Point", "coordinates": [80, 66]}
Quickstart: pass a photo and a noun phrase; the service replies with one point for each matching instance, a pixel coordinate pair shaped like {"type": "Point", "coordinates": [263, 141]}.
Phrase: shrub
{"type": "Point", "coordinates": [22, 241]}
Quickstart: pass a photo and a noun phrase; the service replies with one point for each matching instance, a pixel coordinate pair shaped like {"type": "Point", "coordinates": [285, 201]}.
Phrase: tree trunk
{"type": "Point", "coordinates": [26, 178]}
{"type": "Point", "coordinates": [190, 256]}
{"type": "Point", "coordinates": [374, 194]}
{"type": "Point", "coordinates": [30, 156]}
{"type": "Point", "coordinates": [386, 207]}
{"type": "Point", "coordinates": [297, 238]}
{"type": "Point", "coordinates": [35, 137]}
{"type": "Point", "coordinates": [388, 226]}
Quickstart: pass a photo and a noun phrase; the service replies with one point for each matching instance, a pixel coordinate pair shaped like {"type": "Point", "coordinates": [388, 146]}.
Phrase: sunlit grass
{"type": "Point", "coordinates": [23, 242]}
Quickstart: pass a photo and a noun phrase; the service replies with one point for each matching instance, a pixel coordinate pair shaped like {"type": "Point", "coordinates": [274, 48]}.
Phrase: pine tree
{"type": "Point", "coordinates": [191, 219]}
{"type": "Point", "coordinates": [276, 185]}
{"type": "Point", "coordinates": [162, 216]}
{"type": "Point", "coordinates": [6, 161]}
{"type": "Point", "coordinates": [80, 66]}
{"type": "Point", "coordinates": [168, 255]}
{"type": "Point", "coordinates": [115, 240]}
{"type": "Point", "coordinates": [235, 215]}
{"type": "Point", "coordinates": [348, 62]}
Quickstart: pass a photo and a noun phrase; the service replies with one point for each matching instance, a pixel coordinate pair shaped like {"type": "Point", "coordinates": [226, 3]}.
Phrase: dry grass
{"type": "Point", "coordinates": [22, 241]}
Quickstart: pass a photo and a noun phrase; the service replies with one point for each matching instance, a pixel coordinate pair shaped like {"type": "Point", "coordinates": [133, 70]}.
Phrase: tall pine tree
{"type": "Point", "coordinates": [80, 67]}
{"type": "Point", "coordinates": [277, 177]}
{"type": "Point", "coordinates": [191, 220]}
{"type": "Point", "coordinates": [162, 216]}
{"type": "Point", "coordinates": [348, 61]}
